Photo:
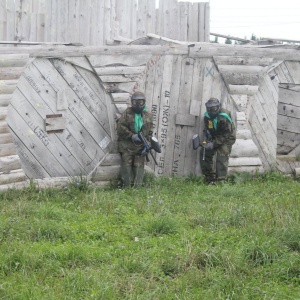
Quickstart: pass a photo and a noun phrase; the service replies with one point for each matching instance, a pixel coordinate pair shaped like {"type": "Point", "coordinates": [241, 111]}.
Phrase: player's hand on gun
{"type": "Point", "coordinates": [135, 138]}
{"type": "Point", "coordinates": [209, 146]}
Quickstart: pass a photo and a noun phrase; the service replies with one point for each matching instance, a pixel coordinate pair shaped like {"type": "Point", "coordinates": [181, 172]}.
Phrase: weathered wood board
{"type": "Point", "coordinates": [86, 131]}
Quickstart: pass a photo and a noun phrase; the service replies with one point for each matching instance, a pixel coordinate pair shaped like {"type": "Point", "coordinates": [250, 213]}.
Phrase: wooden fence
{"type": "Point", "coordinates": [99, 22]}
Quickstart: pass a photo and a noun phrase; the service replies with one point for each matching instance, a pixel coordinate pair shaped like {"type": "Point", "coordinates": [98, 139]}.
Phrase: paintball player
{"type": "Point", "coordinates": [220, 135]}
{"type": "Point", "coordinates": [133, 120]}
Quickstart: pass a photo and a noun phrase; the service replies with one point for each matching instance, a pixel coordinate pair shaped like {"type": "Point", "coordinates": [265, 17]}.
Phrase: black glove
{"type": "Point", "coordinates": [209, 146]}
{"type": "Point", "coordinates": [135, 138]}
{"type": "Point", "coordinates": [144, 152]}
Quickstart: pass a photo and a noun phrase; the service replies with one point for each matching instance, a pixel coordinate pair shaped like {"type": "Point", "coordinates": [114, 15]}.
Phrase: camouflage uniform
{"type": "Point", "coordinates": [132, 169]}
{"type": "Point", "coordinates": [223, 135]}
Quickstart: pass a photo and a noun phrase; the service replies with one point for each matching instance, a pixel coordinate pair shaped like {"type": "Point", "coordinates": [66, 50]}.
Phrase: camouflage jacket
{"type": "Point", "coordinates": [221, 129]}
{"type": "Point", "coordinates": [125, 129]}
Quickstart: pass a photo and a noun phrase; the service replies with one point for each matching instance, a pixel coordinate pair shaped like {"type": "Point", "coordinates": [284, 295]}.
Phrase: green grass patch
{"type": "Point", "coordinates": [174, 238]}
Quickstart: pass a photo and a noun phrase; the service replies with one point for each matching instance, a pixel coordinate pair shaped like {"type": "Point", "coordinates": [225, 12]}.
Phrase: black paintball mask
{"type": "Point", "coordinates": [138, 102]}
{"type": "Point", "coordinates": [213, 107]}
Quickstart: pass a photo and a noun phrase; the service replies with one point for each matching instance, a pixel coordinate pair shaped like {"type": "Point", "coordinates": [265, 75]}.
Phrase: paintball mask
{"type": "Point", "coordinates": [138, 102]}
{"type": "Point", "coordinates": [213, 107]}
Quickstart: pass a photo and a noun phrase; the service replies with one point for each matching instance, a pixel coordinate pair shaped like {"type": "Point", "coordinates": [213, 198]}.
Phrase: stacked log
{"type": "Point", "coordinates": [11, 67]}
{"type": "Point", "coordinates": [244, 155]}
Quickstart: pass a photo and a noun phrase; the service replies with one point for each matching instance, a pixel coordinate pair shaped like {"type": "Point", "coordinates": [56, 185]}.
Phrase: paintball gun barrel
{"type": "Point", "coordinates": [154, 145]}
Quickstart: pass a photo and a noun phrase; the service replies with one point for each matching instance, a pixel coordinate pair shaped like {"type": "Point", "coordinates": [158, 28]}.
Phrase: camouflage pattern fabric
{"type": "Point", "coordinates": [132, 169]}
{"type": "Point", "coordinates": [223, 137]}
{"type": "Point", "coordinates": [125, 130]}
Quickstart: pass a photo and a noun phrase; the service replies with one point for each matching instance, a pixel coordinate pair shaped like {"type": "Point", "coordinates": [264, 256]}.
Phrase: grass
{"type": "Point", "coordinates": [174, 238]}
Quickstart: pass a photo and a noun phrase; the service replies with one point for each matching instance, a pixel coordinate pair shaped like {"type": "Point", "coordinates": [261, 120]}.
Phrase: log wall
{"type": "Point", "coordinates": [100, 22]}
{"type": "Point", "coordinates": [70, 83]}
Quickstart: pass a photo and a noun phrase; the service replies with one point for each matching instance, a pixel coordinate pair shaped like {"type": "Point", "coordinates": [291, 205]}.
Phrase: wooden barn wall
{"type": "Point", "coordinates": [286, 76]}
{"type": "Point", "coordinates": [177, 88]}
{"type": "Point", "coordinates": [98, 22]}
{"type": "Point", "coordinates": [262, 118]}
{"type": "Point", "coordinates": [177, 82]}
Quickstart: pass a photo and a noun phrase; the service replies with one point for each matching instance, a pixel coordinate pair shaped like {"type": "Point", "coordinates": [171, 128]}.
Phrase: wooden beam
{"type": "Point", "coordinates": [243, 89]}
{"type": "Point", "coordinates": [243, 60]}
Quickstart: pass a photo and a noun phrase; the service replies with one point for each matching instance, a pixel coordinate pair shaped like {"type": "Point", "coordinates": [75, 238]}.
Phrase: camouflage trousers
{"type": "Point", "coordinates": [132, 169]}
{"type": "Point", "coordinates": [207, 164]}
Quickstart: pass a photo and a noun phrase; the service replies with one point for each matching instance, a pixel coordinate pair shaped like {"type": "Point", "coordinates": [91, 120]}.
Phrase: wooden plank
{"type": "Point", "coordinates": [73, 21]}
{"type": "Point", "coordinates": [40, 20]}
{"type": "Point", "coordinates": [119, 78]}
{"type": "Point", "coordinates": [289, 86]}
{"type": "Point", "coordinates": [10, 21]}
{"type": "Point", "coordinates": [240, 69]}
{"type": "Point", "coordinates": [95, 105]}
{"type": "Point", "coordinates": [206, 27]}
{"type": "Point", "coordinates": [185, 119]}
{"type": "Point", "coordinates": [200, 50]}
{"type": "Point", "coordinates": [33, 27]}
{"type": "Point", "coordinates": [164, 113]}
{"type": "Point", "coordinates": [9, 163]}
{"type": "Point", "coordinates": [289, 110]}
{"type": "Point", "coordinates": [183, 21]}
{"type": "Point", "coordinates": [288, 123]}
{"type": "Point", "coordinates": [62, 25]}
{"type": "Point", "coordinates": [197, 93]}
{"type": "Point", "coordinates": [289, 97]}
{"type": "Point", "coordinates": [119, 70]}
{"type": "Point", "coordinates": [171, 144]}
{"type": "Point", "coordinates": [122, 60]}
{"type": "Point", "coordinates": [287, 141]}
{"type": "Point", "coordinates": [53, 15]}
{"type": "Point", "coordinates": [107, 20]}
{"type": "Point", "coordinates": [100, 38]}
{"type": "Point", "coordinates": [77, 136]}
{"type": "Point", "coordinates": [98, 88]}
{"type": "Point", "coordinates": [193, 22]}
{"type": "Point", "coordinates": [28, 125]}
{"type": "Point", "coordinates": [294, 70]}
{"type": "Point", "coordinates": [93, 22]}
{"type": "Point", "coordinates": [141, 26]}
{"type": "Point", "coordinates": [55, 123]}
{"type": "Point", "coordinates": [201, 22]}
{"type": "Point", "coordinates": [243, 60]}
{"type": "Point", "coordinates": [263, 137]}
{"type": "Point", "coordinates": [181, 164]}
{"type": "Point", "coordinates": [27, 15]}
{"type": "Point", "coordinates": [84, 21]}
{"type": "Point", "coordinates": [287, 74]}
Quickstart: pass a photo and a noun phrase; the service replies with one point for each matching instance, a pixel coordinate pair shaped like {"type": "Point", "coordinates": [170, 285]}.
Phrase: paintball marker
{"type": "Point", "coordinates": [197, 143]}
{"type": "Point", "coordinates": [148, 147]}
